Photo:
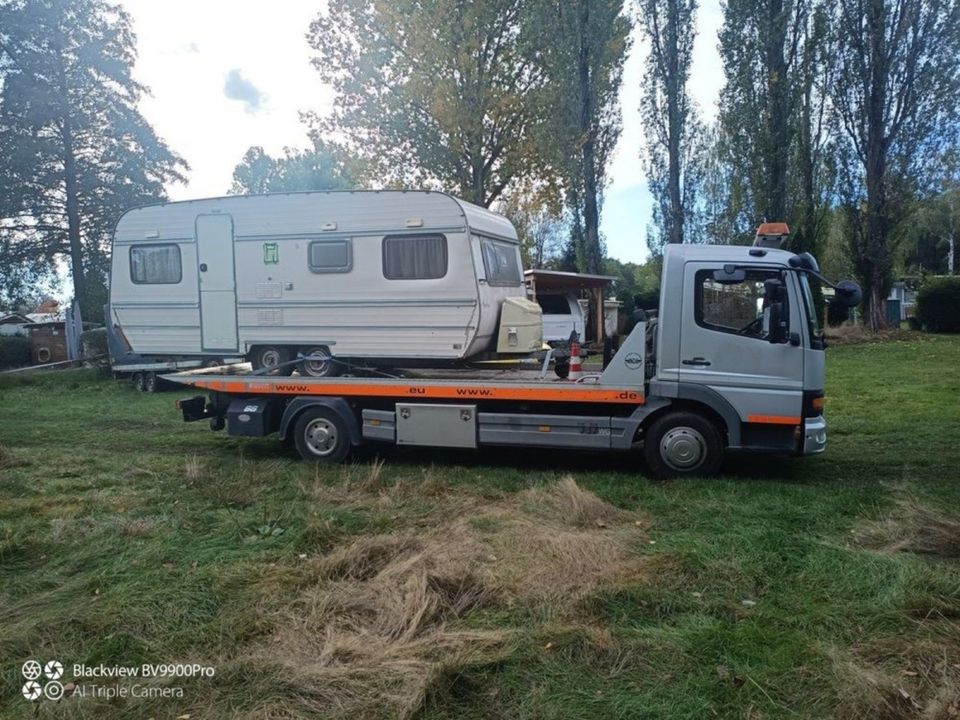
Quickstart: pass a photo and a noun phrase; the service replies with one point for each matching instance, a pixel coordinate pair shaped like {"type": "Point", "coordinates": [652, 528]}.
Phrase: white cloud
{"type": "Point", "coordinates": [237, 87]}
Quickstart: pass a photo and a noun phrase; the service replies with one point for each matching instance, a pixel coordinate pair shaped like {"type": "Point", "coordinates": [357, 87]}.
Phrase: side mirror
{"type": "Point", "coordinates": [778, 328]}
{"type": "Point", "coordinates": [777, 321]}
{"type": "Point", "coordinates": [848, 294]}
{"type": "Point", "coordinates": [729, 275]}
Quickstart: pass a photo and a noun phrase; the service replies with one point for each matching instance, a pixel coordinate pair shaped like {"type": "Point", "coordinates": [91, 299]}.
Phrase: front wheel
{"type": "Point", "coordinates": [683, 444]}
{"type": "Point", "coordinates": [321, 435]}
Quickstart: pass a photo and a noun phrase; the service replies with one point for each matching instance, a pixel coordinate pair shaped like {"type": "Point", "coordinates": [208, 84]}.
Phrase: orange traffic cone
{"type": "Point", "coordinates": [576, 366]}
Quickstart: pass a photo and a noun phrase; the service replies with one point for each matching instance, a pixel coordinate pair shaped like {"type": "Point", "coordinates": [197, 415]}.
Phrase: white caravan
{"type": "Point", "coordinates": [384, 277]}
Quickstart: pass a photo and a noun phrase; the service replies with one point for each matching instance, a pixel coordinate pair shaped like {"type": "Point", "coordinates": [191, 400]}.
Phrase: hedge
{"type": "Point", "coordinates": [14, 351]}
{"type": "Point", "coordinates": [938, 304]}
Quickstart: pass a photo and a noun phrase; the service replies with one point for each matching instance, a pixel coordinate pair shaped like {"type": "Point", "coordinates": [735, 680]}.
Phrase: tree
{"type": "Point", "coordinates": [896, 92]}
{"type": "Point", "coordinates": [440, 91]}
{"type": "Point", "coordinates": [296, 170]}
{"type": "Point", "coordinates": [78, 151]}
{"type": "Point", "coordinates": [760, 45]}
{"type": "Point", "coordinates": [673, 149]}
{"type": "Point", "coordinates": [538, 217]}
{"type": "Point", "coordinates": [584, 45]}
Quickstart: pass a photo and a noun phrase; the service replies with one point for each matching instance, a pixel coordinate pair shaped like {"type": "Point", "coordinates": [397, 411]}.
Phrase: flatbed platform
{"type": "Point", "coordinates": [474, 389]}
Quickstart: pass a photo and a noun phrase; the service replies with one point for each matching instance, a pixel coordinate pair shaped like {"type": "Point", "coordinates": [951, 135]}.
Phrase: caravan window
{"type": "Point", "coordinates": [500, 261]}
{"type": "Point", "coordinates": [331, 256]}
{"type": "Point", "coordinates": [155, 264]}
{"type": "Point", "coordinates": [414, 257]}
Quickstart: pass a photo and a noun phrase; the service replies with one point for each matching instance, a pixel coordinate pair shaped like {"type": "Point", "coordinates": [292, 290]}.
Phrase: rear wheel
{"type": "Point", "coordinates": [683, 444]}
{"type": "Point", "coordinates": [138, 382]}
{"type": "Point", "coordinates": [150, 382]}
{"type": "Point", "coordinates": [321, 436]}
{"type": "Point", "coordinates": [271, 356]}
{"type": "Point", "coordinates": [327, 367]}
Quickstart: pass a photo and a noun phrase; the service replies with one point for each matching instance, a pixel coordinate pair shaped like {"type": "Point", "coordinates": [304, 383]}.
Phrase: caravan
{"type": "Point", "coordinates": [376, 277]}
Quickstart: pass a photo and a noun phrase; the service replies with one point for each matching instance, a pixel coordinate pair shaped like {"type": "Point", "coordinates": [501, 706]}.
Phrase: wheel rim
{"type": "Point", "coordinates": [150, 383]}
{"type": "Point", "coordinates": [317, 368]}
{"type": "Point", "coordinates": [683, 448]}
{"type": "Point", "coordinates": [270, 357]}
{"type": "Point", "coordinates": [321, 437]}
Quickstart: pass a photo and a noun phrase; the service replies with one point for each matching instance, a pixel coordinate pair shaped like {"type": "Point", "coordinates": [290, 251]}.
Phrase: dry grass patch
{"type": "Point", "coordinates": [379, 629]}
{"type": "Point", "coordinates": [9, 459]}
{"type": "Point", "coordinates": [903, 677]}
{"type": "Point", "coordinates": [914, 527]}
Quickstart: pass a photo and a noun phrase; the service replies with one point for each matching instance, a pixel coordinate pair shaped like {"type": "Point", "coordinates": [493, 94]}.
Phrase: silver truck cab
{"type": "Point", "coordinates": [738, 330]}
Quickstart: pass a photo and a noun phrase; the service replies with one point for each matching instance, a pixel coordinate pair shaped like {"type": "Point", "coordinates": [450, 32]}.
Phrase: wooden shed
{"type": "Point", "coordinates": [48, 342]}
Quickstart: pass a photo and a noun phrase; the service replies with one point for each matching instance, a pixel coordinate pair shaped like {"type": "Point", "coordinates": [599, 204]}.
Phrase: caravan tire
{"type": "Point", "coordinates": [321, 435]}
{"type": "Point", "coordinates": [268, 356]}
{"type": "Point", "coordinates": [683, 444]}
{"type": "Point", "coordinates": [318, 368]}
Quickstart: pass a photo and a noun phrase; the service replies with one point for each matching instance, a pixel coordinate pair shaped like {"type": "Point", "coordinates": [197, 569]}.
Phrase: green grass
{"type": "Point", "coordinates": [127, 536]}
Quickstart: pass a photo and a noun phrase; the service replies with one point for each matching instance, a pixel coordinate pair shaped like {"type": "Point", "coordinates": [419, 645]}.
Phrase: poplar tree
{"type": "Point", "coordinates": [673, 153]}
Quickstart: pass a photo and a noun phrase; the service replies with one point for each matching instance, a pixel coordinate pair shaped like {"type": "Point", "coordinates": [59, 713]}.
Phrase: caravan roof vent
{"type": "Point", "coordinates": [771, 235]}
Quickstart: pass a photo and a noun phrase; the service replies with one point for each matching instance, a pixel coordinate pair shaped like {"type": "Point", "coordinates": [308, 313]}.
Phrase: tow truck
{"type": "Point", "coordinates": [733, 361]}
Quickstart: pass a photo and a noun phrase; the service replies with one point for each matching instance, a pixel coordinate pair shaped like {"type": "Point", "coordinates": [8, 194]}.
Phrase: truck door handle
{"type": "Point", "coordinates": [696, 361]}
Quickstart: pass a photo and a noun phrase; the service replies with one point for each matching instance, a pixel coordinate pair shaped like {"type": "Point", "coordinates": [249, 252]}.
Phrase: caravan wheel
{"type": "Point", "coordinates": [271, 356]}
{"type": "Point", "coordinates": [319, 368]}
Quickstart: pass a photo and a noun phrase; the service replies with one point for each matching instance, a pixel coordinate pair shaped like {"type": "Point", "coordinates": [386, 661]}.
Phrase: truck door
{"type": "Point", "coordinates": [724, 344]}
{"type": "Point", "coordinates": [218, 294]}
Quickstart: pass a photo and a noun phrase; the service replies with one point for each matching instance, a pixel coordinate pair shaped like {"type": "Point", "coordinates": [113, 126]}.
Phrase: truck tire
{"type": "Point", "coordinates": [151, 383]}
{"type": "Point", "coordinates": [319, 368]}
{"type": "Point", "coordinates": [683, 444]}
{"type": "Point", "coordinates": [321, 435]}
{"type": "Point", "coordinates": [270, 356]}
{"type": "Point", "coordinates": [138, 382]}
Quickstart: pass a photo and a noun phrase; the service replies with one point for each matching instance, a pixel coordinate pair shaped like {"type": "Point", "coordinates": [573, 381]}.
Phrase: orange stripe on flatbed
{"type": "Point", "coordinates": [555, 392]}
{"type": "Point", "coordinates": [773, 419]}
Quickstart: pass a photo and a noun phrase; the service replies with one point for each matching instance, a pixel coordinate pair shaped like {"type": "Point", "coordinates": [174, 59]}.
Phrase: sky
{"type": "Point", "coordinates": [228, 74]}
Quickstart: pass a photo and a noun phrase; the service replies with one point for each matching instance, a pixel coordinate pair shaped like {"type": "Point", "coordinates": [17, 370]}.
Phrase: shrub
{"type": "Point", "coordinates": [14, 351]}
{"type": "Point", "coordinates": [938, 304]}
{"type": "Point", "coordinates": [93, 343]}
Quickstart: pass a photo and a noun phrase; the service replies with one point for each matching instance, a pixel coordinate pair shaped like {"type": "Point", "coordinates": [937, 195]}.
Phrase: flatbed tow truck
{"type": "Point", "coordinates": [732, 362]}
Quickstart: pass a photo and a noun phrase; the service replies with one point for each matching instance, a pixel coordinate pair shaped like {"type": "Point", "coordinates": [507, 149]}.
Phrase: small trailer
{"type": "Point", "coordinates": [733, 362]}
{"type": "Point", "coordinates": [376, 278]}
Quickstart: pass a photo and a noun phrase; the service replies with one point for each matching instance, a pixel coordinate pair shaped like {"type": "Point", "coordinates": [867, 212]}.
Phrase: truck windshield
{"type": "Point", "coordinates": [810, 308]}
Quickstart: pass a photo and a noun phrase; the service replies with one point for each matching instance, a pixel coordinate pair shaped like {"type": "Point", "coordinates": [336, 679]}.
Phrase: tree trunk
{"type": "Point", "coordinates": [775, 203]}
{"type": "Point", "coordinates": [591, 212]}
{"type": "Point", "coordinates": [71, 193]}
{"type": "Point", "coordinates": [676, 229]}
{"type": "Point", "coordinates": [875, 263]}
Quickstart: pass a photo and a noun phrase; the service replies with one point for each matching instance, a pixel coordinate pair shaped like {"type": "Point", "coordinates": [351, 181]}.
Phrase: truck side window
{"type": "Point", "coordinates": [331, 256]}
{"type": "Point", "coordinates": [155, 264]}
{"type": "Point", "coordinates": [500, 262]}
{"type": "Point", "coordinates": [732, 307]}
{"type": "Point", "coordinates": [414, 257]}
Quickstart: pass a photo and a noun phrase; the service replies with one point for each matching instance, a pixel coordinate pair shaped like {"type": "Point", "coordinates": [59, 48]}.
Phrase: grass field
{"type": "Point", "coordinates": [491, 585]}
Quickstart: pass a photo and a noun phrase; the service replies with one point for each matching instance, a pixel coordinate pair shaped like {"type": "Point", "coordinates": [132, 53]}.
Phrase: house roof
{"type": "Point", "coordinates": [45, 317]}
{"type": "Point", "coordinates": [558, 281]}
{"type": "Point", "coordinates": [14, 319]}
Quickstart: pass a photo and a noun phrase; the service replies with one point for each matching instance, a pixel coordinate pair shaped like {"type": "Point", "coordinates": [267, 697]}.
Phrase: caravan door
{"type": "Point", "coordinates": [218, 287]}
